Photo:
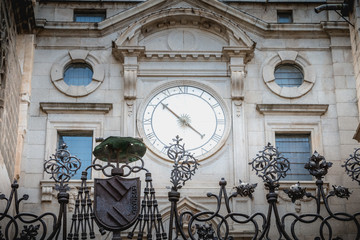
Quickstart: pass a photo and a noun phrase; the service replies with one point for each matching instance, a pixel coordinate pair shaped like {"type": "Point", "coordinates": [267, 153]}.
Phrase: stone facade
{"type": "Point", "coordinates": [16, 42]}
{"type": "Point", "coordinates": [227, 48]}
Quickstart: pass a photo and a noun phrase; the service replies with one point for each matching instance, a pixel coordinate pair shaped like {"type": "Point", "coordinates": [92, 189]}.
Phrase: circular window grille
{"type": "Point", "coordinates": [78, 74]}
{"type": "Point", "coordinates": [288, 75]}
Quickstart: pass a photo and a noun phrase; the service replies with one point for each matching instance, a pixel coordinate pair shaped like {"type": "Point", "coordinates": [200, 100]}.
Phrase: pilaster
{"type": "Point", "coordinates": [129, 58]}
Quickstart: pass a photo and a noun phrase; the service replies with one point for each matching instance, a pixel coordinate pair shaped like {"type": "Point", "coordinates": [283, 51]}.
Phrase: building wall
{"type": "Point", "coordinates": [354, 38]}
{"type": "Point", "coordinates": [135, 55]}
{"type": "Point", "coordinates": [10, 87]}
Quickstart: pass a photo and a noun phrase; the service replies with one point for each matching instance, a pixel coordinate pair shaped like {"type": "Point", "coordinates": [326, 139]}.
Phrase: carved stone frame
{"type": "Point", "coordinates": [77, 56]}
{"type": "Point", "coordinates": [288, 57]}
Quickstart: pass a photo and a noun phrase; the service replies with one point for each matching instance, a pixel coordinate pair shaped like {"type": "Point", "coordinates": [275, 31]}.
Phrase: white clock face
{"type": "Point", "coordinates": [190, 112]}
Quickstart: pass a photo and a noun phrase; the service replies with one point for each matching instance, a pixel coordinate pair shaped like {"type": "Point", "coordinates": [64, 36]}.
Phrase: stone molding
{"type": "Point", "coordinates": [288, 57]}
{"type": "Point", "coordinates": [66, 107]}
{"type": "Point", "coordinates": [160, 19]}
{"type": "Point", "coordinates": [247, 22]}
{"type": "Point", "coordinates": [313, 109]}
{"type": "Point", "coordinates": [76, 56]}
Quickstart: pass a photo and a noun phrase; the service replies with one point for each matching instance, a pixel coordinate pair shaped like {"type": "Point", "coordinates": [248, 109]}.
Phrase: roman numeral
{"type": "Point", "coordinates": [150, 135]}
{"type": "Point", "coordinates": [183, 89]}
{"type": "Point", "coordinates": [221, 121]}
{"type": "Point", "coordinates": [216, 138]}
{"type": "Point", "coordinates": [203, 151]}
{"type": "Point", "coordinates": [166, 92]}
{"type": "Point", "coordinates": [147, 121]}
{"type": "Point", "coordinates": [164, 150]}
{"type": "Point", "coordinates": [215, 105]}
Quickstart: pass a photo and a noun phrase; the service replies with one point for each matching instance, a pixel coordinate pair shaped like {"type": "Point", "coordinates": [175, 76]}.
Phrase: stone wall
{"type": "Point", "coordinates": [9, 91]}
{"type": "Point", "coordinates": [355, 43]}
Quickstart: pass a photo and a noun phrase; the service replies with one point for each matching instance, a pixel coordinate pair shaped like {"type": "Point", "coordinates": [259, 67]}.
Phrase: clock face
{"type": "Point", "coordinates": [190, 112]}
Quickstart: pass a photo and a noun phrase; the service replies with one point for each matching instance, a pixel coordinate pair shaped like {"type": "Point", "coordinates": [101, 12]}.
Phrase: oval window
{"type": "Point", "coordinates": [78, 74]}
{"type": "Point", "coordinates": [287, 75]}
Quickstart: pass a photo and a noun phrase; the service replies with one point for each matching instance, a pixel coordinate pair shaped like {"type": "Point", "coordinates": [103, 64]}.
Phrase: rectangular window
{"type": "Point", "coordinates": [284, 16]}
{"type": "Point", "coordinates": [80, 144]}
{"type": "Point", "coordinates": [89, 16]}
{"type": "Point", "coordinates": [297, 149]}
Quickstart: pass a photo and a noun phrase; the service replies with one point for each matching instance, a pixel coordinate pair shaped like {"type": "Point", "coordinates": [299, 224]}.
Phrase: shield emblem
{"type": "Point", "coordinates": [117, 202]}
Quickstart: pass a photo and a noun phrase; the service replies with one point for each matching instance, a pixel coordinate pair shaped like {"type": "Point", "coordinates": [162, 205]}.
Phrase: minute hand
{"type": "Point", "coordinates": [182, 120]}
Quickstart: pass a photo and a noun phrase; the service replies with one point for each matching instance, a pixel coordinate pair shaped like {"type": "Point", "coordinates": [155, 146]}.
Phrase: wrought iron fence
{"type": "Point", "coordinates": [117, 205]}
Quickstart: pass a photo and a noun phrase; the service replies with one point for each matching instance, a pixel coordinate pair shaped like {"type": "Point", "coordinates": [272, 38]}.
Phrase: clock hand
{"type": "Point", "coordinates": [166, 106]}
{"type": "Point", "coordinates": [201, 135]}
{"type": "Point", "coordinates": [183, 120]}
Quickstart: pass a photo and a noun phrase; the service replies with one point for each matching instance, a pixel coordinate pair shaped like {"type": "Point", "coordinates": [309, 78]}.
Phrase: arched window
{"type": "Point", "coordinates": [78, 74]}
{"type": "Point", "coordinates": [288, 75]}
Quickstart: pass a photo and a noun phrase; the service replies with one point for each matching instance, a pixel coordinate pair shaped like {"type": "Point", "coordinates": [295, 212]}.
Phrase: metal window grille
{"type": "Point", "coordinates": [89, 17]}
{"type": "Point", "coordinates": [78, 74]}
{"type": "Point", "coordinates": [284, 17]}
{"type": "Point", "coordinates": [296, 148]}
{"type": "Point", "coordinates": [80, 145]}
{"type": "Point", "coordinates": [288, 76]}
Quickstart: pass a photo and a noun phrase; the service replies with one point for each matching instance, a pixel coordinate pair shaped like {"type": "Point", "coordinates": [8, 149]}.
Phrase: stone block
{"type": "Point", "coordinates": [347, 110]}
{"type": "Point", "coordinates": [346, 137]}
{"type": "Point", "coordinates": [42, 82]}
{"type": "Point", "coordinates": [345, 95]}
{"type": "Point", "coordinates": [340, 82]}
{"type": "Point", "coordinates": [348, 123]}
{"type": "Point", "coordinates": [329, 125]}
{"type": "Point", "coordinates": [36, 137]}
{"type": "Point", "coordinates": [327, 97]}
{"type": "Point", "coordinates": [78, 54]}
{"type": "Point", "coordinates": [42, 69]}
{"type": "Point", "coordinates": [350, 82]}
{"type": "Point", "coordinates": [331, 138]}
{"type": "Point", "coordinates": [35, 151]}
{"type": "Point", "coordinates": [35, 165]}
{"type": "Point", "coordinates": [343, 69]}
{"type": "Point", "coordinates": [288, 55]}
{"type": "Point", "coordinates": [64, 14]}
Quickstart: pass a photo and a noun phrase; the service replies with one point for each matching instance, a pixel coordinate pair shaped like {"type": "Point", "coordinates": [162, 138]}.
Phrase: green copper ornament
{"type": "Point", "coordinates": [120, 149]}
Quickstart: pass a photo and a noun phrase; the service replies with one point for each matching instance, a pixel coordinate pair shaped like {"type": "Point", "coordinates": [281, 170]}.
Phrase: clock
{"type": "Point", "coordinates": [192, 112]}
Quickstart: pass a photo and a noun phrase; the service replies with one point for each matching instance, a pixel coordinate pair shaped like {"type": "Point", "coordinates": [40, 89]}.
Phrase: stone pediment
{"type": "Point", "coordinates": [181, 28]}
{"type": "Point", "coordinates": [183, 32]}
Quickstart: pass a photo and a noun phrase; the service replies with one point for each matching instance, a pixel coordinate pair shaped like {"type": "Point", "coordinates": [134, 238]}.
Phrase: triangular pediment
{"type": "Point", "coordinates": [212, 9]}
{"type": "Point", "coordinates": [182, 4]}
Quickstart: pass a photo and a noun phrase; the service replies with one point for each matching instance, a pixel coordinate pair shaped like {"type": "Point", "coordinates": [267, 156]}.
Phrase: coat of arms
{"type": "Point", "coordinates": [117, 202]}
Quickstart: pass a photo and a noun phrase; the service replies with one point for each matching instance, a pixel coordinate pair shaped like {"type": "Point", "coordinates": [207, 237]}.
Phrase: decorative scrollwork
{"type": "Point", "coordinates": [61, 165]}
{"type": "Point", "coordinates": [270, 165]}
{"type": "Point", "coordinates": [340, 192]}
{"type": "Point", "coordinates": [185, 164]}
{"type": "Point", "coordinates": [318, 166]}
{"type": "Point", "coordinates": [245, 189]}
{"type": "Point", "coordinates": [29, 232]}
{"type": "Point", "coordinates": [205, 232]}
{"type": "Point", "coordinates": [34, 226]}
{"type": "Point", "coordinates": [352, 165]}
{"type": "Point", "coordinates": [125, 169]}
{"type": "Point", "coordinates": [296, 192]}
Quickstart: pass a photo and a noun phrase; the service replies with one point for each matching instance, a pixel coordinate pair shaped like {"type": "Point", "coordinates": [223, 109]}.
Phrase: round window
{"type": "Point", "coordinates": [288, 75]}
{"type": "Point", "coordinates": [78, 74]}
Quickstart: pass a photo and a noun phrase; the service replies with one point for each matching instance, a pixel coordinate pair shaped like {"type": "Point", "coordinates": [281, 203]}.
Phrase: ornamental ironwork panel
{"type": "Point", "coordinates": [120, 209]}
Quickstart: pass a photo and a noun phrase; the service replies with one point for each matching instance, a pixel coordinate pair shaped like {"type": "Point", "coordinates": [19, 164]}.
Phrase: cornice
{"type": "Point", "coordinates": [246, 22]}
{"type": "Point", "coordinates": [66, 107]}
{"type": "Point", "coordinates": [311, 109]}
